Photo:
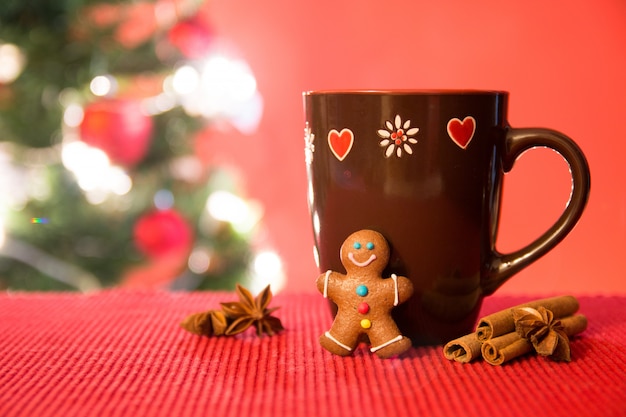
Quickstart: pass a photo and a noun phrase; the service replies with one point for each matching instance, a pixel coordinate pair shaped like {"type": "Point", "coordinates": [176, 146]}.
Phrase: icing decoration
{"type": "Point", "coordinates": [340, 142]}
{"type": "Point", "coordinates": [369, 245]}
{"type": "Point", "coordinates": [397, 137]}
{"type": "Point", "coordinates": [366, 324]}
{"type": "Point", "coordinates": [396, 298]}
{"type": "Point", "coordinates": [361, 290]}
{"type": "Point", "coordinates": [363, 264]}
{"type": "Point", "coordinates": [326, 283]}
{"type": "Point", "coordinates": [356, 245]}
{"type": "Point", "coordinates": [461, 132]}
{"type": "Point", "coordinates": [330, 336]}
{"type": "Point", "coordinates": [394, 340]}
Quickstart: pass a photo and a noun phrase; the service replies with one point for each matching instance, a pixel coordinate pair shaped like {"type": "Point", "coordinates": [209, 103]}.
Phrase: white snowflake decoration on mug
{"type": "Point", "coordinates": [309, 146]}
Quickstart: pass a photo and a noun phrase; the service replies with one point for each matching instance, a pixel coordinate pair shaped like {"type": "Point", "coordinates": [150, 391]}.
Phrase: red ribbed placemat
{"type": "Point", "coordinates": [123, 353]}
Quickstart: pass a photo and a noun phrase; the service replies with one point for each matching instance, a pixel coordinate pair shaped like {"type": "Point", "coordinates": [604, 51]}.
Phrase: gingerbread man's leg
{"type": "Point", "coordinates": [390, 342]}
{"type": "Point", "coordinates": [343, 347]}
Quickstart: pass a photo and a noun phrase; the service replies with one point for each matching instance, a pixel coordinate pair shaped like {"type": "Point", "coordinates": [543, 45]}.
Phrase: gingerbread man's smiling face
{"type": "Point", "coordinates": [365, 251]}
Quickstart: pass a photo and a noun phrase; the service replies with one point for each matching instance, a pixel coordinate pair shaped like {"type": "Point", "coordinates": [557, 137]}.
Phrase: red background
{"type": "Point", "coordinates": [562, 61]}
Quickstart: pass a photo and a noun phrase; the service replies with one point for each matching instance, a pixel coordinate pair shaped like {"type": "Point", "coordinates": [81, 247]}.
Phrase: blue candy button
{"type": "Point", "coordinates": [361, 290]}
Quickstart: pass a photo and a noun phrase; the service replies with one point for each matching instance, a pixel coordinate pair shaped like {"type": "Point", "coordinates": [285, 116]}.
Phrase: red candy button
{"type": "Point", "coordinates": [363, 308]}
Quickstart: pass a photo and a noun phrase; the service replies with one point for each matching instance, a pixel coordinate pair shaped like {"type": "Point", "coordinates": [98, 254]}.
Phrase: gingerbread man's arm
{"type": "Point", "coordinates": [326, 283]}
{"type": "Point", "coordinates": [322, 283]}
{"type": "Point", "coordinates": [405, 289]}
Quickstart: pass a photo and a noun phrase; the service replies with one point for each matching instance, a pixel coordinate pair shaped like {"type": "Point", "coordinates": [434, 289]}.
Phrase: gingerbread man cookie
{"type": "Point", "coordinates": [364, 298]}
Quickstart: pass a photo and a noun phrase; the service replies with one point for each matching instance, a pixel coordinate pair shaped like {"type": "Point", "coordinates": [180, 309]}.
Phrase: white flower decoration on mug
{"type": "Point", "coordinates": [398, 137]}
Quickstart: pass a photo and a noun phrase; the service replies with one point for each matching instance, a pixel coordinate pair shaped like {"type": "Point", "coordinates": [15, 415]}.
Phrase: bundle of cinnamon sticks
{"type": "Point", "coordinates": [543, 326]}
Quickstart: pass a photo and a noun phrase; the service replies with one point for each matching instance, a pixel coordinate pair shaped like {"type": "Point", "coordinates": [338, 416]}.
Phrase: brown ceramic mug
{"type": "Point", "coordinates": [425, 169]}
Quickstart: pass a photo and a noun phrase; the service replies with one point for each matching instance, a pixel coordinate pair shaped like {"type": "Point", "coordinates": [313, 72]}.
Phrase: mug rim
{"type": "Point", "coordinates": [399, 92]}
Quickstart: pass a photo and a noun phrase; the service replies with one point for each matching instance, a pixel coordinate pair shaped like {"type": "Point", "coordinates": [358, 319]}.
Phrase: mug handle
{"type": "Point", "coordinates": [502, 266]}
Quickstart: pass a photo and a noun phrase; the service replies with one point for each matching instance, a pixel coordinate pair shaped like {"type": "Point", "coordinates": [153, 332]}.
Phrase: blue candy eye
{"type": "Point", "coordinates": [357, 245]}
{"type": "Point", "coordinates": [369, 245]}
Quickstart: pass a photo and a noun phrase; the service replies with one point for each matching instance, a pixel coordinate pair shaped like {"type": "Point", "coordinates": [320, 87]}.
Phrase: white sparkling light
{"type": "Point", "coordinates": [117, 181]}
{"type": "Point", "coordinates": [227, 207]}
{"type": "Point", "coordinates": [186, 80]}
{"type": "Point", "coordinates": [12, 62]}
{"type": "Point", "coordinates": [94, 173]}
{"type": "Point", "coordinates": [159, 104]}
{"type": "Point", "coordinates": [199, 260]}
{"type": "Point", "coordinates": [267, 263]}
{"type": "Point", "coordinates": [219, 87]}
{"type": "Point", "coordinates": [103, 85]}
{"type": "Point", "coordinates": [187, 168]}
{"type": "Point", "coordinates": [96, 196]}
{"type": "Point", "coordinates": [73, 115]}
{"type": "Point", "coordinates": [247, 116]}
{"type": "Point", "coordinates": [84, 160]}
{"type": "Point", "coordinates": [229, 79]}
{"type": "Point", "coordinates": [2, 232]}
{"type": "Point", "coordinates": [14, 181]}
{"type": "Point", "coordinates": [268, 270]}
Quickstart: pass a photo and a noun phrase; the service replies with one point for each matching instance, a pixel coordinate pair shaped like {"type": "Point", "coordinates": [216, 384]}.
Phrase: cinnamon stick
{"type": "Point", "coordinates": [501, 323]}
{"type": "Point", "coordinates": [501, 349]}
{"type": "Point", "coordinates": [463, 349]}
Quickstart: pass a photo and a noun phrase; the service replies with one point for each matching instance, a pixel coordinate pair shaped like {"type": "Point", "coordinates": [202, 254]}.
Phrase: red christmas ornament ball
{"type": "Point", "coordinates": [192, 37]}
{"type": "Point", "coordinates": [118, 127]}
{"type": "Point", "coordinates": [162, 232]}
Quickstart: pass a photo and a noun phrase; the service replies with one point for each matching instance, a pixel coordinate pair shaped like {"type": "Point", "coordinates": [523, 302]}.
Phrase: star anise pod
{"type": "Point", "coordinates": [208, 323]}
{"type": "Point", "coordinates": [250, 311]}
{"type": "Point", "coordinates": [544, 332]}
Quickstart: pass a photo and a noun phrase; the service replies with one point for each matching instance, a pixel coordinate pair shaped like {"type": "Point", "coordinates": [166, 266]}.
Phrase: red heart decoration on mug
{"type": "Point", "coordinates": [462, 132]}
{"type": "Point", "coordinates": [340, 142]}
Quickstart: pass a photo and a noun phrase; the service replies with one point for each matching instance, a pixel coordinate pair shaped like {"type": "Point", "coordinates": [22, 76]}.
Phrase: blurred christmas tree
{"type": "Point", "coordinates": [102, 105]}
